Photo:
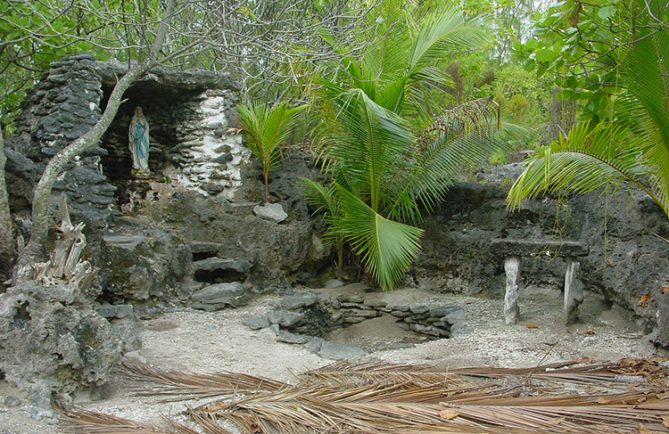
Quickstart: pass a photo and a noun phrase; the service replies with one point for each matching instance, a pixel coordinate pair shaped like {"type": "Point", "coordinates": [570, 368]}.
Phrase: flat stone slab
{"type": "Point", "coordinates": [292, 338]}
{"type": "Point", "coordinates": [333, 283]}
{"type": "Point", "coordinates": [292, 302]}
{"type": "Point", "coordinates": [204, 247]}
{"type": "Point", "coordinates": [211, 264]}
{"type": "Point", "coordinates": [441, 311]}
{"type": "Point", "coordinates": [115, 310]}
{"type": "Point", "coordinates": [534, 247]}
{"type": "Point", "coordinates": [416, 308]}
{"type": "Point", "coordinates": [219, 296]}
{"type": "Point", "coordinates": [124, 241]}
{"type": "Point", "coordinates": [314, 345]}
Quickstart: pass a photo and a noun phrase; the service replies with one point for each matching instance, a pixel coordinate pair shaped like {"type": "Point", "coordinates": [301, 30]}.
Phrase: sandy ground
{"type": "Point", "coordinates": [209, 342]}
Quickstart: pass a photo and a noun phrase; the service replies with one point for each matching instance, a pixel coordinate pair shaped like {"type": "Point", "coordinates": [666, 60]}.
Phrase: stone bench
{"type": "Point", "coordinates": [513, 249]}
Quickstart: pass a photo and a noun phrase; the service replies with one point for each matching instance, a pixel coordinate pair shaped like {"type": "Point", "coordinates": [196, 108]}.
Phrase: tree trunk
{"type": "Point", "coordinates": [34, 250]}
{"type": "Point", "coordinates": [266, 182]}
{"type": "Point", "coordinates": [6, 230]}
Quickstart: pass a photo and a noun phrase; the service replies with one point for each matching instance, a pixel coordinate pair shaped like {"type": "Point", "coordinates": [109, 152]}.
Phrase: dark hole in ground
{"type": "Point", "coordinates": [377, 334]}
{"type": "Point", "coordinates": [371, 328]}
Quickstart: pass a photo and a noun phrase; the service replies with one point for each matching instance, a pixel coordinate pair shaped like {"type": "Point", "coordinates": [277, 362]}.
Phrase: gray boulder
{"type": "Point", "coordinates": [53, 341]}
{"type": "Point", "coordinates": [271, 211]}
{"type": "Point", "coordinates": [292, 338]}
{"type": "Point", "coordinates": [140, 268]}
{"type": "Point", "coordinates": [220, 296]}
{"type": "Point", "coordinates": [292, 302]}
{"type": "Point", "coordinates": [285, 318]}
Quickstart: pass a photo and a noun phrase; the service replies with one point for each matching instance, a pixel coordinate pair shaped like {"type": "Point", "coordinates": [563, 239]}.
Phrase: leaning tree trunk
{"type": "Point", "coordinates": [34, 250]}
{"type": "Point", "coordinates": [6, 232]}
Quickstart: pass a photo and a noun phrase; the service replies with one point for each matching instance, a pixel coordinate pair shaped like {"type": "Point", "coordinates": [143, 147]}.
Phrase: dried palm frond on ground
{"type": "Point", "coordinates": [179, 386]}
{"type": "Point", "coordinates": [346, 374]}
{"type": "Point", "coordinates": [79, 420]}
{"type": "Point", "coordinates": [629, 396]}
{"type": "Point", "coordinates": [620, 372]}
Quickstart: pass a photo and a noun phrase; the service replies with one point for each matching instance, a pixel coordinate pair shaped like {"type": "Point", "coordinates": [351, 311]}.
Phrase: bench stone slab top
{"type": "Point", "coordinates": [536, 247]}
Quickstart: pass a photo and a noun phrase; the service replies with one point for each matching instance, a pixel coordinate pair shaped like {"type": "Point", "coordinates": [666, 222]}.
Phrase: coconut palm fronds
{"type": "Point", "coordinates": [584, 418]}
{"type": "Point", "coordinates": [627, 370]}
{"type": "Point", "coordinates": [295, 413]}
{"type": "Point", "coordinates": [385, 398]}
{"type": "Point", "coordinates": [177, 386]}
{"type": "Point", "coordinates": [208, 423]}
{"type": "Point", "coordinates": [79, 420]}
{"type": "Point", "coordinates": [174, 427]}
{"type": "Point", "coordinates": [348, 374]}
{"type": "Point", "coordinates": [466, 117]}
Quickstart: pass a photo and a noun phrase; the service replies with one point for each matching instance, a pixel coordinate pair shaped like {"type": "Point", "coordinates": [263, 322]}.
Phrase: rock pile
{"type": "Point", "coordinates": [304, 318]}
{"type": "Point", "coordinates": [54, 341]}
{"type": "Point", "coordinates": [63, 106]}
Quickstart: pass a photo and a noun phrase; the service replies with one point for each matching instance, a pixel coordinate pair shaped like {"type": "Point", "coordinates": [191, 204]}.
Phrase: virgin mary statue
{"type": "Point", "coordinates": [138, 141]}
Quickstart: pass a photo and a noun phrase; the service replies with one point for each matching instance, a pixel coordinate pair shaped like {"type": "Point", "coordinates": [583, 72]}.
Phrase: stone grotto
{"type": "Point", "coordinates": [194, 235]}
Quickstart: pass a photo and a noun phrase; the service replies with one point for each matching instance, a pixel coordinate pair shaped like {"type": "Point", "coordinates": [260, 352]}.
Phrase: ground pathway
{"type": "Point", "coordinates": [197, 341]}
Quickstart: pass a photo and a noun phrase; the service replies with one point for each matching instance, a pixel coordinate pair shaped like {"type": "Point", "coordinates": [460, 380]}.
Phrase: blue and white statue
{"type": "Point", "coordinates": [138, 141]}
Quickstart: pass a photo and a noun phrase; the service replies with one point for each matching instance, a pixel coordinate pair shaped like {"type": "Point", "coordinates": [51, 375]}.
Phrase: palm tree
{"type": "Point", "coordinates": [383, 176]}
{"type": "Point", "coordinates": [265, 129]}
{"type": "Point", "coordinates": [632, 146]}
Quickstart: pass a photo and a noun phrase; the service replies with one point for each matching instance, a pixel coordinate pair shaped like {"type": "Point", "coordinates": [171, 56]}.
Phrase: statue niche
{"type": "Point", "coordinates": [138, 142]}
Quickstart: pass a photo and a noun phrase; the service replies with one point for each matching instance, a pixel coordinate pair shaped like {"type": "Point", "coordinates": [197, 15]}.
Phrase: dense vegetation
{"type": "Point", "coordinates": [399, 96]}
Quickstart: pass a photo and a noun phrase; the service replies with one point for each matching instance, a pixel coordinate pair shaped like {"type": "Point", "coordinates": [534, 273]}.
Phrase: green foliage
{"type": "Point", "coordinates": [522, 96]}
{"type": "Point", "coordinates": [631, 143]}
{"type": "Point", "coordinates": [35, 33]}
{"type": "Point", "coordinates": [581, 46]}
{"type": "Point", "coordinates": [265, 130]}
{"type": "Point", "coordinates": [387, 247]}
{"type": "Point", "coordinates": [383, 176]}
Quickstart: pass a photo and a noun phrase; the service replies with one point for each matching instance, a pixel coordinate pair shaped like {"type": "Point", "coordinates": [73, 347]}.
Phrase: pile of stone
{"type": "Point", "coordinates": [63, 106]}
{"type": "Point", "coordinates": [302, 318]}
{"type": "Point", "coordinates": [209, 151]}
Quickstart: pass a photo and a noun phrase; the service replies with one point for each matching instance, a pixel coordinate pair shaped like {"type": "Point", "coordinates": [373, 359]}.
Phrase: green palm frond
{"type": "Point", "coordinates": [316, 195]}
{"type": "Point", "coordinates": [632, 147]}
{"type": "Point", "coordinates": [368, 143]}
{"type": "Point", "coordinates": [387, 247]}
{"type": "Point", "coordinates": [588, 159]}
{"type": "Point", "coordinates": [441, 34]}
{"type": "Point", "coordinates": [647, 77]}
{"type": "Point", "coordinates": [382, 173]}
{"type": "Point", "coordinates": [437, 162]}
{"type": "Point", "coordinates": [265, 130]}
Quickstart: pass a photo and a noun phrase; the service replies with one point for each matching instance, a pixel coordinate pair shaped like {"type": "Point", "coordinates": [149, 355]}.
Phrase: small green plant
{"type": "Point", "coordinates": [265, 128]}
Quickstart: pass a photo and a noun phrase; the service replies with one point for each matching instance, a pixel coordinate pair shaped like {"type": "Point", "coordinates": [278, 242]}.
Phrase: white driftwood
{"type": "Point", "coordinates": [65, 263]}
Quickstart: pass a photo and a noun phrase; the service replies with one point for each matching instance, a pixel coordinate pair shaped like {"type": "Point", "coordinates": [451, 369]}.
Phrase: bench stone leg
{"type": "Point", "coordinates": [573, 290]}
{"type": "Point", "coordinates": [512, 271]}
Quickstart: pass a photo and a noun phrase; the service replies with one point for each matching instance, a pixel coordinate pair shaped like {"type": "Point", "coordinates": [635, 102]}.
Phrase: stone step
{"type": "Point", "coordinates": [219, 296]}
